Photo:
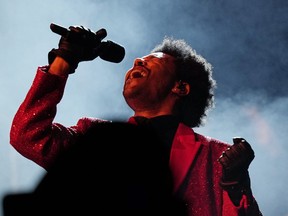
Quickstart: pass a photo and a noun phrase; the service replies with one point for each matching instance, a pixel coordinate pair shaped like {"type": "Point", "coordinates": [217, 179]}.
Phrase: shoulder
{"type": "Point", "coordinates": [215, 146]}
{"type": "Point", "coordinates": [92, 120]}
{"type": "Point", "coordinates": [208, 141]}
{"type": "Point", "coordinates": [86, 123]}
{"type": "Point", "coordinates": [212, 142]}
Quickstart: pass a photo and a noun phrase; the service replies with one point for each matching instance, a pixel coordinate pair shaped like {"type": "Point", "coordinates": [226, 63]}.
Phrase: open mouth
{"type": "Point", "coordinates": [138, 74]}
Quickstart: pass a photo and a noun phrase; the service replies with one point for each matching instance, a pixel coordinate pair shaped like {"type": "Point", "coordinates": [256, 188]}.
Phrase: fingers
{"type": "Point", "coordinates": [226, 159]}
{"type": "Point", "coordinates": [238, 155]}
{"type": "Point", "coordinates": [85, 37]}
{"type": "Point", "coordinates": [244, 148]}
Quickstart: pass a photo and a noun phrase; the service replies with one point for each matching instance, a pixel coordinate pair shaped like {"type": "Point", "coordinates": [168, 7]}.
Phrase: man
{"type": "Point", "coordinates": [170, 91]}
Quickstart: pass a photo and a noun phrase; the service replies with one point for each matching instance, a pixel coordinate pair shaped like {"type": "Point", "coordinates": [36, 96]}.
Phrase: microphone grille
{"type": "Point", "coordinates": [111, 51]}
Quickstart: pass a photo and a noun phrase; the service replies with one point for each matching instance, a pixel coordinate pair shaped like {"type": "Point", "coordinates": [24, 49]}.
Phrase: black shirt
{"type": "Point", "coordinates": [165, 127]}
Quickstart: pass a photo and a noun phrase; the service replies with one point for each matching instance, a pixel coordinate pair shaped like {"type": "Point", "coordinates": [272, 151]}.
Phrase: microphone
{"type": "Point", "coordinates": [108, 50]}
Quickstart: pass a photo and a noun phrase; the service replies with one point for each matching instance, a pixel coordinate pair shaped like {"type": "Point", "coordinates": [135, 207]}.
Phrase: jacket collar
{"type": "Point", "coordinates": [183, 152]}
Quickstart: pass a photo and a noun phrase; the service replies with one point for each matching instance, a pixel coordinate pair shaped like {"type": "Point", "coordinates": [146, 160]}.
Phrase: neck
{"type": "Point", "coordinates": [151, 113]}
{"type": "Point", "coordinates": [152, 110]}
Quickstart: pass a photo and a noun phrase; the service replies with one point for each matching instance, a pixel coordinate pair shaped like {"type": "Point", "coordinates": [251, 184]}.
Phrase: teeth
{"type": "Point", "coordinates": [138, 74]}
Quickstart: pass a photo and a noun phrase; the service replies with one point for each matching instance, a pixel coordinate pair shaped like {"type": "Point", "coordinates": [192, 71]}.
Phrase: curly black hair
{"type": "Point", "coordinates": [195, 70]}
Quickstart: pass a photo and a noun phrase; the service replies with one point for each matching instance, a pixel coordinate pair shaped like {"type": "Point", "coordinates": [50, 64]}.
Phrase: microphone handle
{"type": "Point", "coordinates": [59, 30]}
{"type": "Point", "coordinates": [64, 32]}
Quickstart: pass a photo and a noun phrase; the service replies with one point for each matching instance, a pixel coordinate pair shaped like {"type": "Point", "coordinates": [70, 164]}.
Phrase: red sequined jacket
{"type": "Point", "coordinates": [34, 135]}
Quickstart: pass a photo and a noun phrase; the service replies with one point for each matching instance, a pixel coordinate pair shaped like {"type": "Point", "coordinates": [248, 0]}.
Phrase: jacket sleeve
{"type": "Point", "coordinates": [247, 206]}
{"type": "Point", "coordinates": [32, 132]}
{"type": "Point", "coordinates": [239, 200]}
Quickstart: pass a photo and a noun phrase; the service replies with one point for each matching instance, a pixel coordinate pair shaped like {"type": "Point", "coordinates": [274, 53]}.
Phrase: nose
{"type": "Point", "coordinates": [139, 62]}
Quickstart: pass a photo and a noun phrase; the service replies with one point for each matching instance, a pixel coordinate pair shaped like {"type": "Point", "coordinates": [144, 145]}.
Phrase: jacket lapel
{"type": "Point", "coordinates": [183, 151]}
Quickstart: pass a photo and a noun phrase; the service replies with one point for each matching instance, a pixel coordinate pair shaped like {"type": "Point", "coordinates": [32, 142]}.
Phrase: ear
{"type": "Point", "coordinates": [181, 88]}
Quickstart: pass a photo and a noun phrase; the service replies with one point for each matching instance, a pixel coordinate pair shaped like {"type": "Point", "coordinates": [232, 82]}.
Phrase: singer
{"type": "Point", "coordinates": [153, 163]}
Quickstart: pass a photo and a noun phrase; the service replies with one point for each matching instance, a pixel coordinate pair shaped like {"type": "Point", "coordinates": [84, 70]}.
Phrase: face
{"type": "Point", "coordinates": [150, 80]}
